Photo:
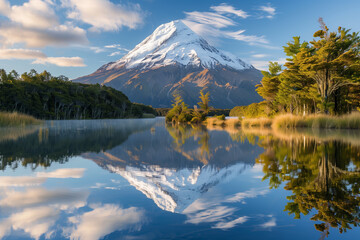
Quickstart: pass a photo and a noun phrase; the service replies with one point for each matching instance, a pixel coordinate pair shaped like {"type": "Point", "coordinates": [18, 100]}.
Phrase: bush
{"type": "Point", "coordinates": [254, 110]}
{"type": "Point", "coordinates": [221, 117]}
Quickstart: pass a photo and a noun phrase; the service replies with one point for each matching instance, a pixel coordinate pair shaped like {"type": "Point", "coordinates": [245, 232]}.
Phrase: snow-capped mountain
{"type": "Point", "coordinates": [175, 59]}
{"type": "Point", "coordinates": [173, 43]}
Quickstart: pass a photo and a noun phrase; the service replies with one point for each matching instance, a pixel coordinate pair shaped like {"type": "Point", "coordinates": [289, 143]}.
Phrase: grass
{"type": "Point", "coordinates": [288, 121]}
{"type": "Point", "coordinates": [217, 121]}
{"type": "Point", "coordinates": [8, 119]}
{"type": "Point", "coordinates": [256, 122]}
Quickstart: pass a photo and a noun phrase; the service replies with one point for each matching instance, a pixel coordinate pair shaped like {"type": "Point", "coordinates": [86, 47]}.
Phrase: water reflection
{"type": "Point", "coordinates": [57, 141]}
{"type": "Point", "coordinates": [322, 172]}
{"type": "Point", "coordinates": [188, 170]}
{"type": "Point", "coordinates": [28, 207]}
{"type": "Point", "coordinates": [175, 166]}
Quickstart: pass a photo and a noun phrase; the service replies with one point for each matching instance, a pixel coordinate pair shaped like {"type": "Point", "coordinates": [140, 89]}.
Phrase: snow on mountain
{"type": "Point", "coordinates": [172, 43]}
{"type": "Point", "coordinates": [174, 190]}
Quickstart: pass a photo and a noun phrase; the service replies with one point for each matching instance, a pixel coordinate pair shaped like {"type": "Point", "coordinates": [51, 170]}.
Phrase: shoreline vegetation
{"type": "Point", "coordinates": [15, 119]}
{"type": "Point", "coordinates": [319, 87]}
{"type": "Point", "coordinates": [290, 121]}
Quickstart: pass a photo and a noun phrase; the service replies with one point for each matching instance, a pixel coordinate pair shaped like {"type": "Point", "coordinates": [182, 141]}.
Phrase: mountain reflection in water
{"type": "Point", "coordinates": [177, 167]}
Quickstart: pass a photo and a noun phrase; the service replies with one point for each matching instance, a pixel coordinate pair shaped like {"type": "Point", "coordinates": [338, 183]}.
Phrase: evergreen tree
{"type": "Point", "coordinates": [332, 61]}
{"type": "Point", "coordinates": [269, 86]}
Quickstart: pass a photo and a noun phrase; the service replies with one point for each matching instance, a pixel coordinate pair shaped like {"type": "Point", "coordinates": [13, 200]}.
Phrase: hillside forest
{"type": "Point", "coordinates": [47, 97]}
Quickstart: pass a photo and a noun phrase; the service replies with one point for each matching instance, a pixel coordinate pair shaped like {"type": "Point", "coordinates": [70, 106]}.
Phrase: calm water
{"type": "Point", "coordinates": [142, 179]}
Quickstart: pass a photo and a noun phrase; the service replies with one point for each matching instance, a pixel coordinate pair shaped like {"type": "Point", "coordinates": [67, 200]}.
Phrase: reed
{"type": "Point", "coordinates": [215, 121]}
{"type": "Point", "coordinates": [321, 121]}
{"type": "Point", "coordinates": [16, 119]}
{"type": "Point", "coordinates": [256, 122]}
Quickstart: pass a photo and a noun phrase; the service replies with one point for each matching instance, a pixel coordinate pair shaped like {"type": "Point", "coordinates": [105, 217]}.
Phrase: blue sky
{"type": "Point", "coordinates": [75, 37]}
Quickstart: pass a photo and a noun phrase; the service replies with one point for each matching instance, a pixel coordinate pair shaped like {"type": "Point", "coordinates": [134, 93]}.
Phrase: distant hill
{"type": "Point", "coordinates": [174, 59]}
{"type": "Point", "coordinates": [57, 99]}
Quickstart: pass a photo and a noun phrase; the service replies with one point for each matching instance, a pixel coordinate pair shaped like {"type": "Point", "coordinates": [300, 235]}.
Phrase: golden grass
{"type": "Point", "coordinates": [321, 121]}
{"type": "Point", "coordinates": [256, 122]}
{"type": "Point", "coordinates": [16, 119]}
{"type": "Point", "coordinates": [214, 121]}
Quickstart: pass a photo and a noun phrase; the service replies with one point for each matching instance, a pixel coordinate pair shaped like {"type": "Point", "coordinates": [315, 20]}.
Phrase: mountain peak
{"type": "Point", "coordinates": [175, 43]}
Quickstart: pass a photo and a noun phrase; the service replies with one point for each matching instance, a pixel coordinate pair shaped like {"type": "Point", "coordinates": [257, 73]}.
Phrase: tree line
{"type": "Point", "coordinates": [320, 76]}
{"type": "Point", "coordinates": [47, 97]}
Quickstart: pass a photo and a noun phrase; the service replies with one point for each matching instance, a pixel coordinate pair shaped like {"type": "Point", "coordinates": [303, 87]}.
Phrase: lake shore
{"type": "Point", "coordinates": [289, 121]}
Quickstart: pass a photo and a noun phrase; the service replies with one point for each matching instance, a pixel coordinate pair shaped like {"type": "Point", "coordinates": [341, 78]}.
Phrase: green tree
{"type": "Point", "coordinates": [269, 86]}
{"type": "Point", "coordinates": [180, 113]}
{"type": "Point", "coordinates": [332, 61]}
{"type": "Point", "coordinates": [3, 76]}
{"type": "Point", "coordinates": [204, 103]}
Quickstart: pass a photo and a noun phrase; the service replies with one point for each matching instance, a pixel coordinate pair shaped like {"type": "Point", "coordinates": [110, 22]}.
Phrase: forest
{"type": "Point", "coordinates": [320, 76]}
{"type": "Point", "coordinates": [47, 97]}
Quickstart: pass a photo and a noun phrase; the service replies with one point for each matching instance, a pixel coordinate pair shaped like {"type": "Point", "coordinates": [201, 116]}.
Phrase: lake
{"type": "Point", "coordinates": [144, 179]}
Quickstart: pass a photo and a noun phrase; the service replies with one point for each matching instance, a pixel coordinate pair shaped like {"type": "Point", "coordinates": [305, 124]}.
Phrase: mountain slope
{"type": "Point", "coordinates": [175, 59]}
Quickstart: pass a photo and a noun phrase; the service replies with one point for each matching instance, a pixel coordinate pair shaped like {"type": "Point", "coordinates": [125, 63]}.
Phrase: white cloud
{"type": "Point", "coordinates": [88, 225]}
{"type": "Point", "coordinates": [268, 10]}
{"type": "Point", "coordinates": [63, 173]}
{"type": "Point", "coordinates": [224, 8]}
{"type": "Point", "coordinates": [61, 35]}
{"type": "Point", "coordinates": [40, 58]}
{"type": "Point", "coordinates": [97, 49]}
{"type": "Point", "coordinates": [104, 15]}
{"type": "Point", "coordinates": [113, 46]}
{"type": "Point", "coordinates": [35, 24]}
{"type": "Point", "coordinates": [259, 55]}
{"type": "Point", "coordinates": [35, 13]}
{"type": "Point", "coordinates": [211, 26]}
{"type": "Point", "coordinates": [264, 65]}
{"type": "Point", "coordinates": [4, 6]}
{"type": "Point", "coordinates": [117, 53]}
{"type": "Point", "coordinates": [238, 35]}
{"type": "Point", "coordinates": [121, 50]}
{"type": "Point", "coordinates": [209, 18]}
{"type": "Point", "coordinates": [62, 61]}
{"type": "Point", "coordinates": [231, 224]}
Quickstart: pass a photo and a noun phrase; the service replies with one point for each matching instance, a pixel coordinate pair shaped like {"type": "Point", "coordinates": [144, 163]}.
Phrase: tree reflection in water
{"type": "Point", "coordinates": [322, 173]}
{"type": "Point", "coordinates": [181, 132]}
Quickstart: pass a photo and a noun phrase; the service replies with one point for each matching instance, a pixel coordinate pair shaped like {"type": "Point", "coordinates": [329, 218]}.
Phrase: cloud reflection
{"type": "Point", "coordinates": [252, 193]}
{"type": "Point", "coordinates": [103, 220]}
{"type": "Point", "coordinates": [63, 173]}
{"type": "Point", "coordinates": [34, 210]}
{"type": "Point", "coordinates": [215, 210]}
{"type": "Point", "coordinates": [231, 224]}
{"type": "Point", "coordinates": [34, 221]}
{"type": "Point", "coordinates": [269, 224]}
{"type": "Point", "coordinates": [40, 196]}
{"type": "Point", "coordinates": [21, 181]}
